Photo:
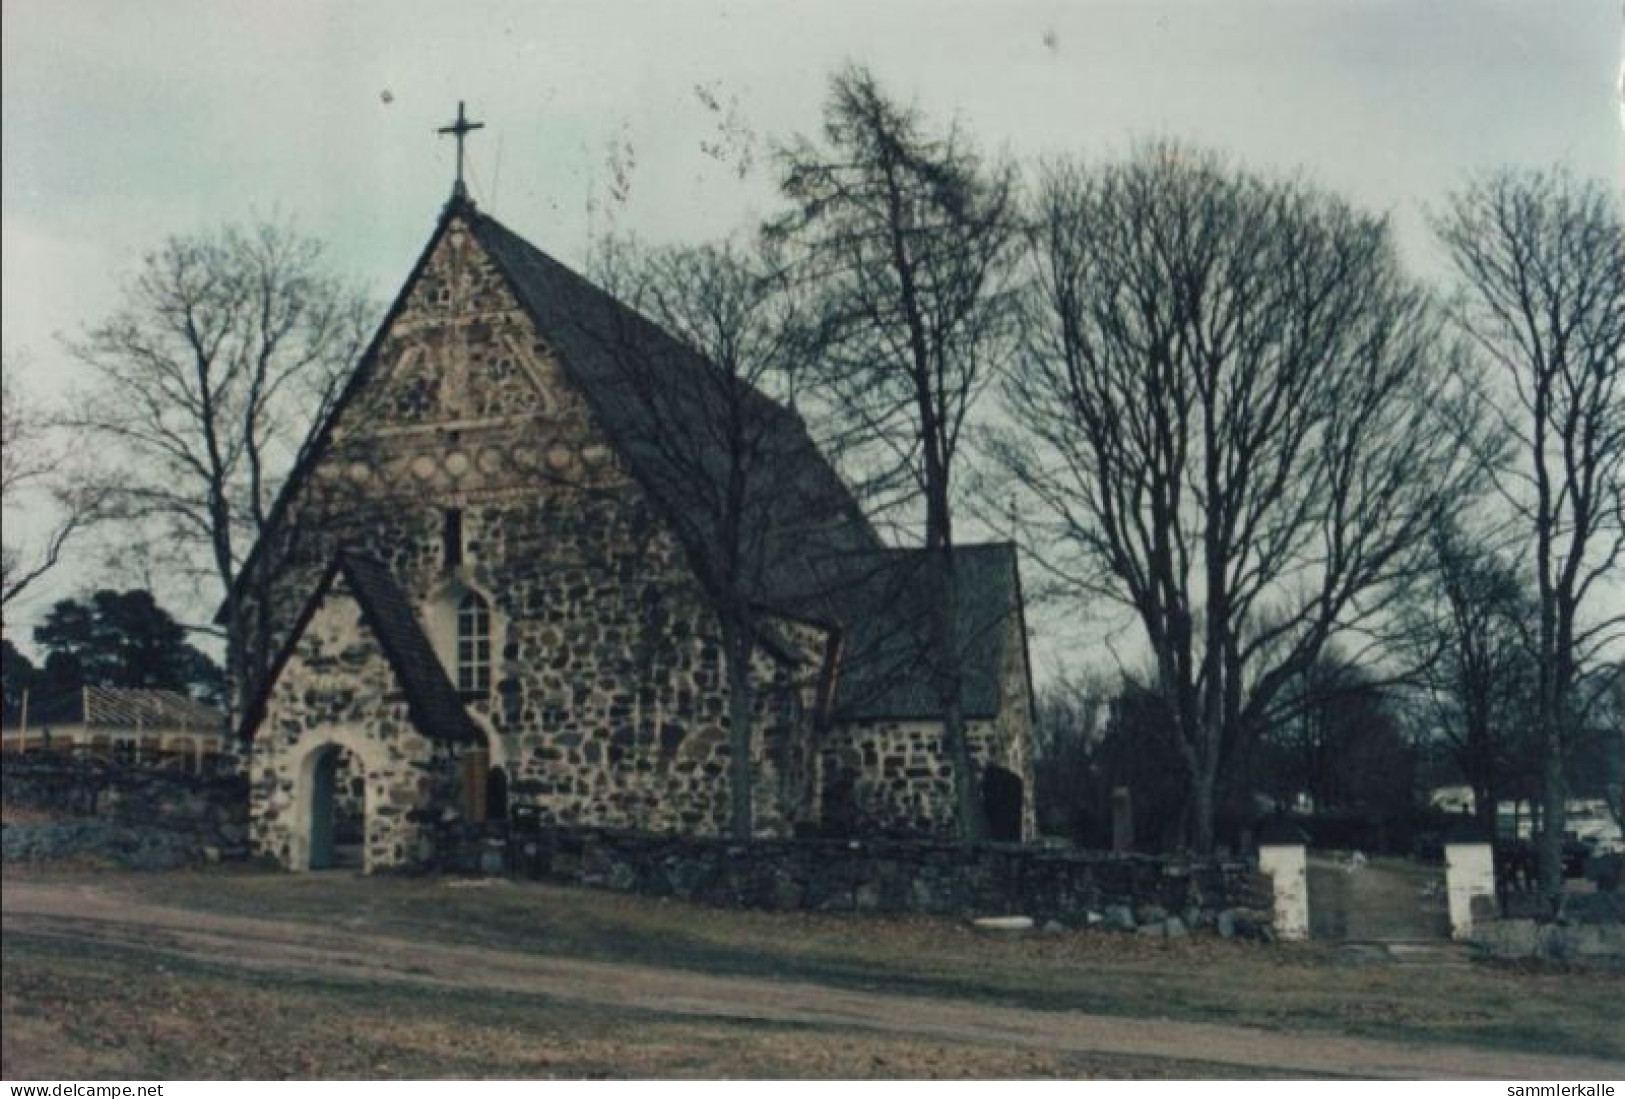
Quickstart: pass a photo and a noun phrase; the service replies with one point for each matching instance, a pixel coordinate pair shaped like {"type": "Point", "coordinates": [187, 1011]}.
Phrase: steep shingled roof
{"type": "Point", "coordinates": [884, 671]}
{"type": "Point", "coordinates": [662, 403]}
{"type": "Point", "coordinates": [436, 709]}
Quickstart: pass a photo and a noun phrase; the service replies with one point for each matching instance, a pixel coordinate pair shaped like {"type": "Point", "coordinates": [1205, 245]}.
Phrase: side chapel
{"type": "Point", "coordinates": [476, 594]}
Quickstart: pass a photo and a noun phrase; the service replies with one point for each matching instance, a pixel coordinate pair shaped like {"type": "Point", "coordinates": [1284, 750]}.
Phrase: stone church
{"type": "Point", "coordinates": [478, 597]}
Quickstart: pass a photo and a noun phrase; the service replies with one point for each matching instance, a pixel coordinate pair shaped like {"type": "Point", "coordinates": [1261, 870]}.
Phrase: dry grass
{"type": "Point", "coordinates": [116, 1015]}
{"type": "Point", "coordinates": [178, 1026]}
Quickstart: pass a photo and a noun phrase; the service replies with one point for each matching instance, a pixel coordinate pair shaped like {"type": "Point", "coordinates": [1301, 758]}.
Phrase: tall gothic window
{"type": "Point", "coordinates": [473, 645]}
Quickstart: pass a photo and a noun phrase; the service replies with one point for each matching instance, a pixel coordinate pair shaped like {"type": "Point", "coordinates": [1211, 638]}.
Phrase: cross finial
{"type": "Point", "coordinates": [460, 129]}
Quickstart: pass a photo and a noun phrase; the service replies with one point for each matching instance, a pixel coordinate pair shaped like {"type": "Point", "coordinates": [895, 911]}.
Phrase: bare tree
{"type": "Point", "coordinates": [1339, 740]}
{"type": "Point", "coordinates": [910, 242]}
{"type": "Point", "coordinates": [230, 346]}
{"type": "Point", "coordinates": [1540, 258]}
{"type": "Point", "coordinates": [1072, 715]}
{"type": "Point", "coordinates": [38, 470]}
{"type": "Point", "coordinates": [1466, 633]}
{"type": "Point", "coordinates": [1609, 720]}
{"type": "Point", "coordinates": [1227, 421]}
{"type": "Point", "coordinates": [709, 429]}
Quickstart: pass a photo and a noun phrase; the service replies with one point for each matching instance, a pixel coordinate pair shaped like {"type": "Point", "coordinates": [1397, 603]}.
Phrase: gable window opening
{"type": "Point", "coordinates": [473, 645]}
{"type": "Point", "coordinates": [452, 540]}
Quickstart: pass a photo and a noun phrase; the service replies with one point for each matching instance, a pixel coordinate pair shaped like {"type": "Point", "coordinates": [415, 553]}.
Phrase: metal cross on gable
{"type": "Point", "coordinates": [460, 129]}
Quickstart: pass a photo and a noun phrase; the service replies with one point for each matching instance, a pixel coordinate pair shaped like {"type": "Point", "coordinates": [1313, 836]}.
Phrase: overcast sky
{"type": "Point", "coordinates": [125, 122]}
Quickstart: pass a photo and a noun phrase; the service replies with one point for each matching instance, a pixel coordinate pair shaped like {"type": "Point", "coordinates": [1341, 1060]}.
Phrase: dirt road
{"type": "Point", "coordinates": [86, 913]}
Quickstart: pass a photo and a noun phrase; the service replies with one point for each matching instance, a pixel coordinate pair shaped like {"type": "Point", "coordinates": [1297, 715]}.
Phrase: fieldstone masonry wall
{"type": "Point", "coordinates": [140, 817]}
{"type": "Point", "coordinates": [1587, 929]}
{"type": "Point", "coordinates": [1073, 888]}
{"type": "Point", "coordinates": [897, 776]}
{"type": "Point", "coordinates": [1010, 734]}
{"type": "Point", "coordinates": [892, 773]}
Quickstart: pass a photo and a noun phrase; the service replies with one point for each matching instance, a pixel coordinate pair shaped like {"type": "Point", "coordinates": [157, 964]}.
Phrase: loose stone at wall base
{"type": "Point", "coordinates": [1067, 887]}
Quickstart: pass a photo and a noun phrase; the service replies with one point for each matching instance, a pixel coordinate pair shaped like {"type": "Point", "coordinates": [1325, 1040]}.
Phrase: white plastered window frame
{"type": "Point", "coordinates": [445, 615]}
{"type": "Point", "coordinates": [441, 621]}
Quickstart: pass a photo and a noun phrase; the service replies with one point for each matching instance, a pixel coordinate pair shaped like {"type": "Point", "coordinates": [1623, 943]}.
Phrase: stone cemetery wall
{"type": "Point", "coordinates": [1586, 929]}
{"type": "Point", "coordinates": [1152, 896]}
{"type": "Point", "coordinates": [64, 807]}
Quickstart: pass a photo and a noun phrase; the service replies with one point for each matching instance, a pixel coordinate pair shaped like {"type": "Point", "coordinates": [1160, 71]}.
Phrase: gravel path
{"type": "Point", "coordinates": [86, 913]}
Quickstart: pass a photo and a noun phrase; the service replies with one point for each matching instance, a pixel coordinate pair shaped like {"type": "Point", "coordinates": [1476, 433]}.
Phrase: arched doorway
{"type": "Point", "coordinates": [1001, 801]}
{"type": "Point", "coordinates": [338, 809]}
{"type": "Point", "coordinates": [496, 794]}
{"type": "Point", "coordinates": [838, 804]}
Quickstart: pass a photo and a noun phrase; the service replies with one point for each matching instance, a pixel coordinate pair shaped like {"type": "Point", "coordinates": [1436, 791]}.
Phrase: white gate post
{"type": "Point", "coordinates": [1469, 871]}
{"type": "Point", "coordinates": [1283, 854]}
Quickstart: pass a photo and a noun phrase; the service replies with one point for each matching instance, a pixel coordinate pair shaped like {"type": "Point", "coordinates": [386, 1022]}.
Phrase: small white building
{"type": "Point", "coordinates": [1453, 799]}
{"type": "Point", "coordinates": [1587, 818]}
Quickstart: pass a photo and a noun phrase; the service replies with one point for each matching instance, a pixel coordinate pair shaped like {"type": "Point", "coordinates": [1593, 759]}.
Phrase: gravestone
{"type": "Point", "coordinates": [1122, 820]}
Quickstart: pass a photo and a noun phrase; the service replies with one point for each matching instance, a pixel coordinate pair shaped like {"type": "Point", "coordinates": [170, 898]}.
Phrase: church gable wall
{"type": "Point", "coordinates": [608, 699]}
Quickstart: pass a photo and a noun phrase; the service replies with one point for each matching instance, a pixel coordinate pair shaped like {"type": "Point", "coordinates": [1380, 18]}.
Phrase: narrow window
{"type": "Point", "coordinates": [452, 539]}
{"type": "Point", "coordinates": [473, 645]}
